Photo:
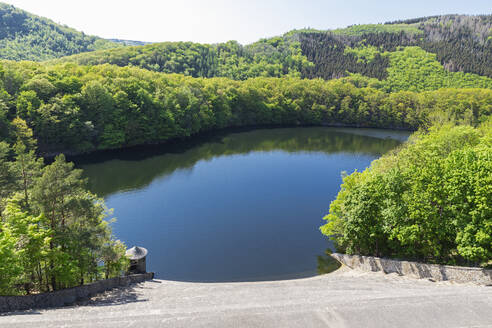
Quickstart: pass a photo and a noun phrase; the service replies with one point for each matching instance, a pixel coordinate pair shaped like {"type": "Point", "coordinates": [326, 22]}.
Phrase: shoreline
{"type": "Point", "coordinates": [196, 138]}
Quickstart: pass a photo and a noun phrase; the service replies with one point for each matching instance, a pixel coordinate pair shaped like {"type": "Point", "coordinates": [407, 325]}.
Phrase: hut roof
{"type": "Point", "coordinates": [136, 253]}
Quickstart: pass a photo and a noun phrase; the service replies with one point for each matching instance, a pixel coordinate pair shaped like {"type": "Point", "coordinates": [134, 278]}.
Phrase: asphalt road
{"type": "Point", "coordinates": [345, 298]}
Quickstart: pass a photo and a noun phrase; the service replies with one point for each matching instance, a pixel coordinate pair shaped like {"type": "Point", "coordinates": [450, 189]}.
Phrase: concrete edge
{"type": "Point", "coordinates": [417, 270]}
{"type": "Point", "coordinates": [68, 296]}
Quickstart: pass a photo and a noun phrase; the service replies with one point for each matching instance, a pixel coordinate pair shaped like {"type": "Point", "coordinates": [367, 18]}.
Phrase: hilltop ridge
{"type": "Point", "coordinates": [24, 36]}
{"type": "Point", "coordinates": [460, 43]}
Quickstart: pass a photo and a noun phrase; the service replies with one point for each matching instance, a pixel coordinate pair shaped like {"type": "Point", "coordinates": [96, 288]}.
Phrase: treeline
{"type": "Point", "coordinates": [414, 69]}
{"type": "Point", "coordinates": [78, 109]}
{"type": "Point", "coordinates": [316, 55]}
{"type": "Point", "coordinates": [273, 57]}
{"type": "Point", "coordinates": [24, 36]}
{"type": "Point", "coordinates": [460, 44]}
{"type": "Point", "coordinates": [429, 201]}
{"type": "Point", "coordinates": [53, 232]}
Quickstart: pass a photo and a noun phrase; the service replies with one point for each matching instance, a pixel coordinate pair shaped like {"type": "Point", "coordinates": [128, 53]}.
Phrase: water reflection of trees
{"type": "Point", "coordinates": [327, 264]}
{"type": "Point", "coordinates": [131, 169]}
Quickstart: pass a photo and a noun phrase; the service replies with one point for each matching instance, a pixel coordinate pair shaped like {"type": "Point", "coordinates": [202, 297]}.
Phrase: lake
{"type": "Point", "coordinates": [238, 206]}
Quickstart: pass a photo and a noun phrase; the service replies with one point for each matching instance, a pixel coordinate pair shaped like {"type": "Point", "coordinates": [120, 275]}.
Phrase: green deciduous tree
{"type": "Point", "coordinates": [430, 201]}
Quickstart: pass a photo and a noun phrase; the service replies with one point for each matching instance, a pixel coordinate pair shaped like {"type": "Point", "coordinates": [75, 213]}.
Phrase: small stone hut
{"type": "Point", "coordinates": [137, 256]}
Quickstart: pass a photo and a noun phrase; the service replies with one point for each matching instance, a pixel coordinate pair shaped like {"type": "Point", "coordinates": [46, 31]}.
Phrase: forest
{"type": "Point", "coordinates": [24, 36]}
{"type": "Point", "coordinates": [428, 201]}
{"type": "Point", "coordinates": [54, 234]}
{"type": "Point", "coordinates": [77, 109]}
{"type": "Point", "coordinates": [457, 43]}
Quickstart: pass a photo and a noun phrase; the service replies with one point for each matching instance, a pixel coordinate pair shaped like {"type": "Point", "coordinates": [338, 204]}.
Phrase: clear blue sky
{"type": "Point", "coordinates": [212, 21]}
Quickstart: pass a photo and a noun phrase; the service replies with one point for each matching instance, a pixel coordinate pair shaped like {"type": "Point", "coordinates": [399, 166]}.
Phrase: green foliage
{"type": "Point", "coordinates": [24, 36]}
{"type": "Point", "coordinates": [364, 54]}
{"type": "Point", "coordinates": [10, 266]}
{"type": "Point", "coordinates": [53, 232]}
{"type": "Point", "coordinates": [461, 44]}
{"type": "Point", "coordinates": [273, 57]}
{"type": "Point", "coordinates": [453, 43]}
{"type": "Point", "coordinates": [4, 112]}
{"type": "Point", "coordinates": [6, 177]}
{"type": "Point", "coordinates": [113, 256]}
{"type": "Point", "coordinates": [359, 30]}
{"type": "Point", "coordinates": [429, 201]}
{"type": "Point", "coordinates": [414, 69]}
{"type": "Point", "coordinates": [106, 106]}
{"type": "Point", "coordinates": [32, 246]}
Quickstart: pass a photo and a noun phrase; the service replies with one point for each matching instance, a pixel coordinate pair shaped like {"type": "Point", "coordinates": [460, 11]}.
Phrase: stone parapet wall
{"type": "Point", "coordinates": [417, 270]}
{"type": "Point", "coordinates": [68, 296]}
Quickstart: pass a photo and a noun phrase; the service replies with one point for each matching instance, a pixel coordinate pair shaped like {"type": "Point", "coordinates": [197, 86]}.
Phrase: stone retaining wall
{"type": "Point", "coordinates": [68, 296]}
{"type": "Point", "coordinates": [417, 270]}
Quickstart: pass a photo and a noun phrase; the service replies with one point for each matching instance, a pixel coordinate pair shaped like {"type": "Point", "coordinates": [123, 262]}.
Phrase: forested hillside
{"type": "Point", "coordinates": [388, 76]}
{"type": "Point", "coordinates": [74, 108]}
{"type": "Point", "coordinates": [274, 57]}
{"type": "Point", "coordinates": [459, 44]}
{"type": "Point", "coordinates": [24, 36]}
{"type": "Point", "coordinates": [456, 43]}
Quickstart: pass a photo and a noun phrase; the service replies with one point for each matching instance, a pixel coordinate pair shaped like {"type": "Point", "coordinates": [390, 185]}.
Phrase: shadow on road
{"type": "Point", "coordinates": [27, 312]}
{"type": "Point", "coordinates": [117, 296]}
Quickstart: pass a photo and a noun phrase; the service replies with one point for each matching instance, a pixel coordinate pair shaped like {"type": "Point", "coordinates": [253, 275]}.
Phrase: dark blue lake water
{"type": "Point", "coordinates": [233, 207]}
